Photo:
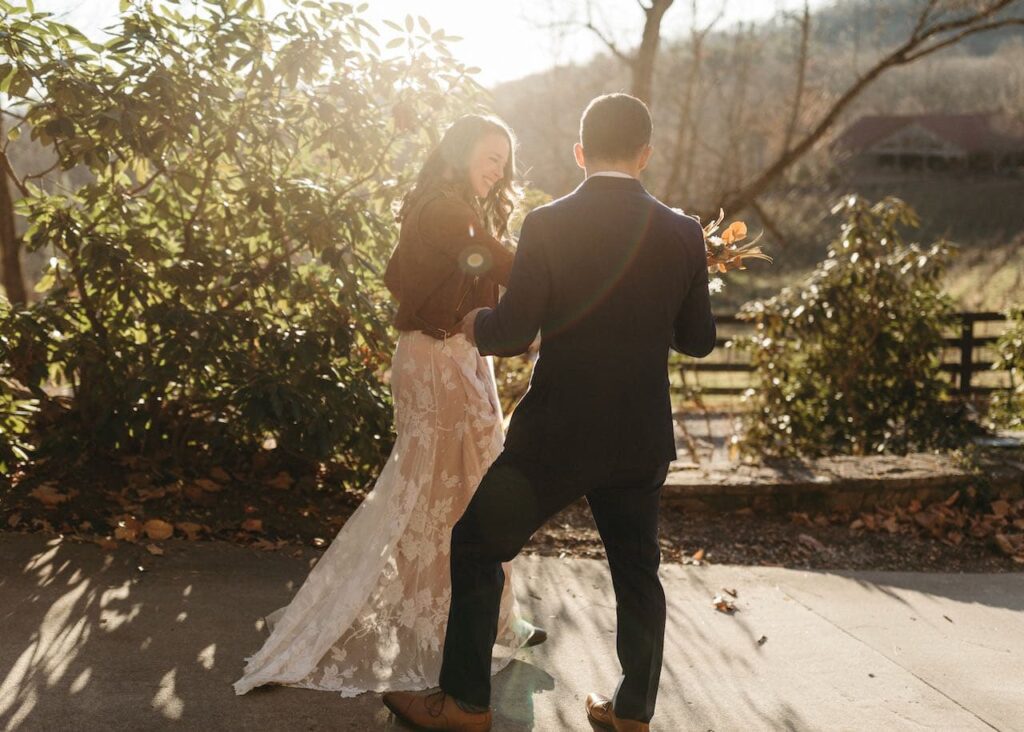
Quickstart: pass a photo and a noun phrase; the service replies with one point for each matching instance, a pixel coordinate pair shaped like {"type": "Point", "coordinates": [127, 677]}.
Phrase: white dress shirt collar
{"type": "Point", "coordinates": [611, 174]}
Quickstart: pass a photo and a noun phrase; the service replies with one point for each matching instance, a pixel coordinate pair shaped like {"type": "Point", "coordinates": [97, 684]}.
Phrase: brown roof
{"type": "Point", "coordinates": [972, 133]}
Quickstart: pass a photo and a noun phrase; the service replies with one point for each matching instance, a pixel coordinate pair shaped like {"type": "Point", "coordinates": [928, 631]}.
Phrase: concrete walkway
{"type": "Point", "coordinates": [88, 641]}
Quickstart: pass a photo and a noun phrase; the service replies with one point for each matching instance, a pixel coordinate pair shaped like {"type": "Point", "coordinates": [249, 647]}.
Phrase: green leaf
{"type": "Point", "coordinates": [20, 83]}
{"type": "Point", "coordinates": [45, 282]}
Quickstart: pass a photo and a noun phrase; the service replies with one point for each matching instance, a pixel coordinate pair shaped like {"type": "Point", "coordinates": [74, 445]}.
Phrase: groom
{"type": "Point", "coordinates": [612, 279]}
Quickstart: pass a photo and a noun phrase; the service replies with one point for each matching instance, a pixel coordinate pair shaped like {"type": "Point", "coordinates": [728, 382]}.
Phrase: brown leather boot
{"type": "Point", "coordinates": [600, 712]}
{"type": "Point", "coordinates": [436, 710]}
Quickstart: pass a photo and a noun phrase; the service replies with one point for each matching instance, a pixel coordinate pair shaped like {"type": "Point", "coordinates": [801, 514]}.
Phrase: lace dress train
{"type": "Point", "coordinates": [371, 614]}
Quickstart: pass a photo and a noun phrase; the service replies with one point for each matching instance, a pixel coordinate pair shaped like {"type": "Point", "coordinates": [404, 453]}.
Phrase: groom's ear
{"type": "Point", "coordinates": [645, 157]}
{"type": "Point", "coordinates": [577, 151]}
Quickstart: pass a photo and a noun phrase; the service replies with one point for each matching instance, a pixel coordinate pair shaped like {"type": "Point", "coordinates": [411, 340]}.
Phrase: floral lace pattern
{"type": "Point", "coordinates": [371, 614]}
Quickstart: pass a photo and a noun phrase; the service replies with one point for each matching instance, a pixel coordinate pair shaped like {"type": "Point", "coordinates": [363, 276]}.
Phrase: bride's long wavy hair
{"type": "Point", "coordinates": [448, 164]}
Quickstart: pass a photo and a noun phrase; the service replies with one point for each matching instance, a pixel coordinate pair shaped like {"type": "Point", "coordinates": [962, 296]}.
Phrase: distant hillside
{"type": "Point", "coordinates": [848, 22]}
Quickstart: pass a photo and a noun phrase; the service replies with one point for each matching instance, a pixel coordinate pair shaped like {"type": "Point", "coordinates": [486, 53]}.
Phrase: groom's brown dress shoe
{"type": "Point", "coordinates": [436, 710]}
{"type": "Point", "coordinates": [600, 712]}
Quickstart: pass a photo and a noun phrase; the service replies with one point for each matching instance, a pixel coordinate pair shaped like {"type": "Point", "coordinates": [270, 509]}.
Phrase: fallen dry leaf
{"type": "Point", "coordinates": [150, 494]}
{"type": "Point", "coordinates": [698, 555]}
{"type": "Point", "coordinates": [189, 529]}
{"type": "Point", "coordinates": [1005, 545]}
{"type": "Point", "coordinates": [253, 524]}
{"type": "Point", "coordinates": [155, 550]}
{"type": "Point", "coordinates": [208, 485]}
{"type": "Point", "coordinates": [157, 530]}
{"type": "Point", "coordinates": [14, 519]}
{"type": "Point", "coordinates": [128, 529]}
{"type": "Point", "coordinates": [220, 474]}
{"type": "Point", "coordinates": [1000, 508]}
{"type": "Point", "coordinates": [722, 605]}
{"type": "Point", "coordinates": [49, 496]}
{"type": "Point", "coordinates": [281, 481]}
{"type": "Point", "coordinates": [810, 542]}
{"type": "Point", "coordinates": [106, 543]}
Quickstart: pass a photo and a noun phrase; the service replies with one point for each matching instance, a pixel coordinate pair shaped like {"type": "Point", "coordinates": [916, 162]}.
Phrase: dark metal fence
{"type": "Point", "coordinates": [962, 369]}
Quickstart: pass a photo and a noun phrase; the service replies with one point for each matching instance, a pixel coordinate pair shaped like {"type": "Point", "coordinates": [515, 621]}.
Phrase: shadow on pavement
{"type": "Point", "coordinates": [122, 640]}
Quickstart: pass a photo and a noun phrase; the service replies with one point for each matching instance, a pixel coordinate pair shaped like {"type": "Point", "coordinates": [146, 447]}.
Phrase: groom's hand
{"type": "Point", "coordinates": [467, 325]}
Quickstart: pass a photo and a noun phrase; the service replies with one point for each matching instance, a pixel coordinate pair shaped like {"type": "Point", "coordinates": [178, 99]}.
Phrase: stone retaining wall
{"type": "Point", "coordinates": [838, 483]}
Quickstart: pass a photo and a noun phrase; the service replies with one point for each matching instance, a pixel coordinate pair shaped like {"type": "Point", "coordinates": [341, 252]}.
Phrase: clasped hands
{"type": "Point", "coordinates": [467, 326]}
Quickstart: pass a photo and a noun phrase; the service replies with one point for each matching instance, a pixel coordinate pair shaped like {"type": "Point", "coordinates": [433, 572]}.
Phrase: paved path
{"type": "Point", "coordinates": [90, 642]}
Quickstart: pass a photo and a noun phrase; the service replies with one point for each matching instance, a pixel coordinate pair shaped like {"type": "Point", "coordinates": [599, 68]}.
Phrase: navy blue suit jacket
{"type": "Point", "coordinates": [612, 279]}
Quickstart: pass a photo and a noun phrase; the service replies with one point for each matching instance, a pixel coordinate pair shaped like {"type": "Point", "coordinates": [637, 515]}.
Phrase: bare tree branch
{"type": "Point", "coordinates": [686, 128]}
{"type": "Point", "coordinates": [769, 223]}
{"type": "Point", "coordinates": [610, 44]}
{"type": "Point", "coordinates": [923, 17]}
{"type": "Point", "coordinates": [801, 76]}
{"type": "Point", "coordinates": [963, 34]}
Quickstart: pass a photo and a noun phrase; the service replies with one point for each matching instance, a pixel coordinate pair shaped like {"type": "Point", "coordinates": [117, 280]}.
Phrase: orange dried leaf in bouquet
{"type": "Point", "coordinates": [737, 231]}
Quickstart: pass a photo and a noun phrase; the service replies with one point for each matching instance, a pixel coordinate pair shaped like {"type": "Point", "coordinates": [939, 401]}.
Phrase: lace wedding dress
{"type": "Point", "coordinates": [371, 615]}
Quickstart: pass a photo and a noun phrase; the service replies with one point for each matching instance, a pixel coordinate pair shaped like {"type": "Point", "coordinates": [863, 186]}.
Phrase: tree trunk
{"type": "Point", "coordinates": [647, 54]}
{"type": "Point", "coordinates": [10, 243]}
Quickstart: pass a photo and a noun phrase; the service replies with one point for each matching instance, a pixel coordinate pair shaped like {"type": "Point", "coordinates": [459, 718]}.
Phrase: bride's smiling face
{"type": "Point", "coordinates": [487, 161]}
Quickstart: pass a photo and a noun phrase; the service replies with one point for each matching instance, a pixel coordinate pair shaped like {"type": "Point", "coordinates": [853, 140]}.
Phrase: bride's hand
{"type": "Point", "coordinates": [466, 325]}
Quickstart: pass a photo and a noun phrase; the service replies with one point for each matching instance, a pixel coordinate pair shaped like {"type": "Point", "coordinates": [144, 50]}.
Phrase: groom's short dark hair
{"type": "Point", "coordinates": [615, 127]}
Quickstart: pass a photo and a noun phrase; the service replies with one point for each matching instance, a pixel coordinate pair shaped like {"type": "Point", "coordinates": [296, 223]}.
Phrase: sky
{"type": "Point", "coordinates": [506, 39]}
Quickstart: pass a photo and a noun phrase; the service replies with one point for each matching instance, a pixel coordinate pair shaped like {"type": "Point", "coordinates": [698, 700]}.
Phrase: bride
{"type": "Point", "coordinates": [372, 612]}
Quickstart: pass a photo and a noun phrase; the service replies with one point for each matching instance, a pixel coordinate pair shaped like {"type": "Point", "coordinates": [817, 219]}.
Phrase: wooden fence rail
{"type": "Point", "coordinates": [962, 370]}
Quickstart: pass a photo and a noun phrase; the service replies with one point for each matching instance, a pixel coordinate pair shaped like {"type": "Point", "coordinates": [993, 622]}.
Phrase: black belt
{"type": "Point", "coordinates": [437, 333]}
{"type": "Point", "coordinates": [432, 331]}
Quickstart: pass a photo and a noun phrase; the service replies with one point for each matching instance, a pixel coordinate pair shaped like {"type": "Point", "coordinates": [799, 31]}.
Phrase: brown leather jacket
{"type": "Point", "coordinates": [445, 264]}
